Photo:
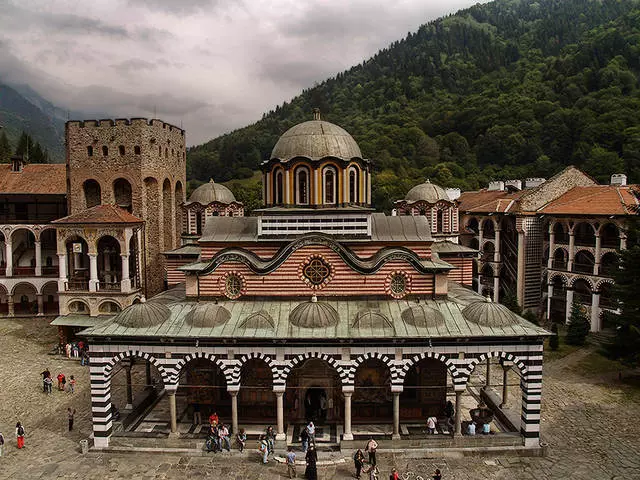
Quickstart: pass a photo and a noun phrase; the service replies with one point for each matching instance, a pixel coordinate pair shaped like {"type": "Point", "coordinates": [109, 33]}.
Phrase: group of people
{"type": "Point", "coordinates": [64, 385]}
{"type": "Point", "coordinates": [218, 435]}
{"type": "Point", "coordinates": [77, 349]}
{"type": "Point", "coordinates": [359, 461]}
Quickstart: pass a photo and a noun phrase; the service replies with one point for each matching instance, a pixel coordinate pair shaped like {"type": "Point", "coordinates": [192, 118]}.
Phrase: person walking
{"type": "Point", "coordinates": [241, 438]}
{"type": "Point", "coordinates": [59, 378]}
{"type": "Point", "coordinates": [263, 447]}
{"type": "Point", "coordinates": [358, 462]}
{"type": "Point", "coordinates": [271, 438]}
{"type": "Point", "coordinates": [291, 463]}
{"type": "Point", "coordinates": [20, 433]}
{"type": "Point", "coordinates": [304, 437]}
{"type": "Point", "coordinates": [45, 374]}
{"type": "Point", "coordinates": [431, 425]}
{"type": "Point", "coordinates": [394, 475]}
{"type": "Point", "coordinates": [70, 414]}
{"type": "Point", "coordinates": [1, 444]}
{"type": "Point", "coordinates": [72, 384]}
{"type": "Point", "coordinates": [48, 385]}
{"type": "Point", "coordinates": [437, 475]}
{"type": "Point", "coordinates": [373, 472]}
{"type": "Point", "coordinates": [372, 447]}
{"type": "Point", "coordinates": [311, 471]}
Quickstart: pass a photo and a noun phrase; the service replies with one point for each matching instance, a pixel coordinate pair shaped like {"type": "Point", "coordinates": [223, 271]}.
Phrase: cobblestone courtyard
{"type": "Point", "coordinates": [589, 421]}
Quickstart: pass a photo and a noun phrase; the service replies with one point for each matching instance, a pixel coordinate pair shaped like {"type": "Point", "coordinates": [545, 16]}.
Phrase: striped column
{"type": "Point", "coordinates": [100, 405]}
{"type": "Point", "coordinates": [531, 398]}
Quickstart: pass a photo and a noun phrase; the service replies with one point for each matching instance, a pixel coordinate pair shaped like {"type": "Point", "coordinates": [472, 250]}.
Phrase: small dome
{"type": "Point", "coordinates": [427, 192]}
{"type": "Point", "coordinates": [490, 314]}
{"type": "Point", "coordinates": [176, 294]}
{"type": "Point", "coordinates": [142, 315]}
{"type": "Point", "coordinates": [314, 314]}
{"type": "Point", "coordinates": [371, 319]}
{"type": "Point", "coordinates": [259, 320]}
{"type": "Point", "coordinates": [315, 139]}
{"type": "Point", "coordinates": [207, 315]}
{"type": "Point", "coordinates": [211, 192]}
{"type": "Point", "coordinates": [422, 316]}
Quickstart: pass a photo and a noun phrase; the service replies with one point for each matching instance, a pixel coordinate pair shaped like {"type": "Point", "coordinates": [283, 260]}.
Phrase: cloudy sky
{"type": "Point", "coordinates": [212, 65]}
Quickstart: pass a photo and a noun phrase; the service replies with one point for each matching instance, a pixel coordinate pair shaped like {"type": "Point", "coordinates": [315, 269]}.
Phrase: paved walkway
{"type": "Point", "coordinates": [590, 425]}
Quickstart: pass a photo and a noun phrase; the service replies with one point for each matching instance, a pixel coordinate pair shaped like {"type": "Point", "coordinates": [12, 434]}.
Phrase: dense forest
{"type": "Point", "coordinates": [508, 89]}
{"type": "Point", "coordinates": [26, 147]}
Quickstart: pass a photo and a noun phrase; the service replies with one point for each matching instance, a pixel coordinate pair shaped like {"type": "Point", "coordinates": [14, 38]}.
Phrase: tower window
{"type": "Point", "coordinates": [90, 151]}
{"type": "Point", "coordinates": [302, 182]}
{"type": "Point", "coordinates": [277, 190]}
{"type": "Point", "coordinates": [105, 150]}
{"type": "Point", "coordinates": [329, 186]}
{"type": "Point", "coordinates": [121, 150]}
{"type": "Point", "coordinates": [439, 221]}
{"type": "Point", "coordinates": [353, 186]}
{"type": "Point", "coordinates": [136, 150]}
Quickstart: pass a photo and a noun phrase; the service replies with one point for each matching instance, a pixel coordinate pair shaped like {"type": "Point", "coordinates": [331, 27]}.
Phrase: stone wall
{"type": "Point", "coordinates": [553, 188]}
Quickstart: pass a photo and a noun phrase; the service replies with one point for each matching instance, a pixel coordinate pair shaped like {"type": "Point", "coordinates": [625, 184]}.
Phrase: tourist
{"type": "Point", "coordinates": [70, 414]}
{"type": "Point", "coordinates": [271, 438]}
{"type": "Point", "coordinates": [84, 357]}
{"type": "Point", "coordinates": [311, 472]}
{"type": "Point", "coordinates": [437, 475]}
{"type": "Point", "coordinates": [1, 444]}
{"type": "Point", "coordinates": [291, 463]}
{"type": "Point", "coordinates": [263, 447]}
{"type": "Point", "coordinates": [72, 384]}
{"type": "Point", "coordinates": [46, 374]}
{"type": "Point", "coordinates": [449, 409]}
{"type": "Point", "coordinates": [372, 447]}
{"type": "Point", "coordinates": [59, 378]}
{"type": "Point", "coordinates": [431, 425]}
{"type": "Point", "coordinates": [215, 434]}
{"type": "Point", "coordinates": [20, 433]}
{"type": "Point", "coordinates": [241, 438]}
{"type": "Point", "coordinates": [311, 429]}
{"type": "Point", "coordinates": [358, 461]}
{"type": "Point", "coordinates": [48, 385]}
{"type": "Point", "coordinates": [304, 437]}
{"type": "Point", "coordinates": [486, 429]}
{"type": "Point", "coordinates": [68, 350]}
{"type": "Point", "coordinates": [223, 435]}
{"type": "Point", "coordinates": [210, 442]}
{"type": "Point", "coordinates": [213, 419]}
{"type": "Point", "coordinates": [471, 428]}
{"type": "Point", "coordinates": [373, 472]}
{"type": "Point", "coordinates": [394, 475]}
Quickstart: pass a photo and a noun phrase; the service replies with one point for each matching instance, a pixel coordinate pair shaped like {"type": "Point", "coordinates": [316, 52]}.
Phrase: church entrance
{"type": "Point", "coordinates": [315, 405]}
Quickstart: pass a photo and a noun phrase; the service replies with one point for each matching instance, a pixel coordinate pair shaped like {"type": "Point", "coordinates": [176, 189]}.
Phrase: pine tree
{"type": "Point", "coordinates": [554, 340]}
{"type": "Point", "coordinates": [25, 145]}
{"type": "Point", "coordinates": [5, 148]}
{"type": "Point", "coordinates": [579, 325]}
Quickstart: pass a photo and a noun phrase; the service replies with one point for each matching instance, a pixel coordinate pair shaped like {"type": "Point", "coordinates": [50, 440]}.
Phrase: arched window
{"type": "Point", "coordinates": [278, 183]}
{"type": "Point", "coordinates": [302, 186]}
{"type": "Point", "coordinates": [121, 150]}
{"type": "Point", "coordinates": [136, 149]}
{"type": "Point", "coordinates": [122, 194]}
{"type": "Point", "coordinates": [92, 193]}
{"type": "Point", "coordinates": [105, 150]}
{"type": "Point", "coordinates": [198, 223]}
{"type": "Point", "coordinates": [329, 181]}
{"type": "Point", "coordinates": [90, 151]}
{"type": "Point", "coordinates": [354, 185]}
{"type": "Point", "coordinates": [439, 221]}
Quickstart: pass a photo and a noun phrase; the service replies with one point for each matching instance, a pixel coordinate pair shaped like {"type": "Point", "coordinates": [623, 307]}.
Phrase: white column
{"type": "Point", "coordinates": [595, 312]}
{"type": "Point", "coordinates": [40, 299]}
{"type": "Point", "coordinates": [347, 435]}
{"type": "Point", "coordinates": [396, 416]}
{"type": "Point", "coordinates": [280, 435]}
{"type": "Point", "coordinates": [521, 269]}
{"type": "Point", "coordinates": [552, 246]}
{"type": "Point", "coordinates": [549, 295]}
{"type": "Point", "coordinates": [496, 253]}
{"type": "Point", "coordinates": [623, 242]}
{"type": "Point", "coordinates": [125, 283]}
{"type": "Point", "coordinates": [569, 304]}
{"type": "Point", "coordinates": [596, 266]}
{"type": "Point", "coordinates": [93, 272]}
{"type": "Point", "coordinates": [572, 248]}
{"type": "Point", "coordinates": [9, 256]}
{"type": "Point", "coordinates": [345, 186]}
{"type": "Point", "coordinates": [10, 305]}
{"type": "Point", "coordinates": [234, 410]}
{"type": "Point", "coordinates": [496, 288]}
{"type": "Point", "coordinates": [287, 190]}
{"type": "Point", "coordinates": [62, 272]}
{"type": "Point", "coordinates": [173, 411]}
{"type": "Point", "coordinates": [506, 366]}
{"type": "Point", "coordinates": [479, 284]}
{"type": "Point", "coordinates": [480, 237]}
{"type": "Point", "coordinates": [38, 245]}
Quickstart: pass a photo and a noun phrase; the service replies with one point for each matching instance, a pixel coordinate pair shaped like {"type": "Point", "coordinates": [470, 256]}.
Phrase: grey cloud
{"type": "Point", "coordinates": [134, 65]}
{"type": "Point", "coordinates": [177, 7]}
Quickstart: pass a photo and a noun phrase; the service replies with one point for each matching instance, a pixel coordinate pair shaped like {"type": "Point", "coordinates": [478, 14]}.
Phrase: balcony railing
{"type": "Point", "coordinates": [109, 286]}
{"type": "Point", "coordinates": [559, 265]}
{"type": "Point", "coordinates": [78, 285]}
{"type": "Point", "coordinates": [583, 298]}
{"type": "Point", "coordinates": [50, 271]}
{"type": "Point", "coordinates": [24, 271]}
{"type": "Point", "coordinates": [583, 268]}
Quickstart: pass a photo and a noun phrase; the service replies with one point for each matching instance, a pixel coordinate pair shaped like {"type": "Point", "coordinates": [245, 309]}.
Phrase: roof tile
{"type": "Point", "coordinates": [100, 214]}
{"type": "Point", "coordinates": [43, 179]}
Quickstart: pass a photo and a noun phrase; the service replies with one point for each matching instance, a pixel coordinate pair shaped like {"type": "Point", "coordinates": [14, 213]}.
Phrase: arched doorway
{"type": "Point", "coordinates": [122, 194]}
{"type": "Point", "coordinates": [24, 253]}
{"type": "Point", "coordinates": [256, 400]}
{"type": "Point", "coordinates": [203, 388]}
{"type": "Point", "coordinates": [425, 391]}
{"type": "Point", "coordinates": [92, 193]}
{"type": "Point", "coordinates": [372, 398]}
{"type": "Point", "coordinates": [4, 301]}
{"type": "Point", "coordinates": [109, 263]}
{"type": "Point", "coordinates": [25, 301]}
{"type": "Point", "coordinates": [78, 263]}
{"type": "Point", "coordinates": [50, 298]}
{"type": "Point", "coordinates": [307, 384]}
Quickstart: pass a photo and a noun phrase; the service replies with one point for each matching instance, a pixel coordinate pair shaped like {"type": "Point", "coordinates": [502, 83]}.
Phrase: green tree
{"type": "Point", "coordinates": [510, 301]}
{"type": "Point", "coordinates": [626, 345]}
{"type": "Point", "coordinates": [578, 325]}
{"type": "Point", "coordinates": [5, 148]}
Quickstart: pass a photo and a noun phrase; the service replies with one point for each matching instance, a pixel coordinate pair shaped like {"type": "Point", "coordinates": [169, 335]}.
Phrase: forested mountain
{"type": "Point", "coordinates": [28, 118]}
{"type": "Point", "coordinates": [508, 89]}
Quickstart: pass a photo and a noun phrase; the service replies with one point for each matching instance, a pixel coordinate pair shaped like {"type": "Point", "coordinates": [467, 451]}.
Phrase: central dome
{"type": "Point", "coordinates": [316, 139]}
{"type": "Point", "coordinates": [427, 192]}
{"type": "Point", "coordinates": [211, 192]}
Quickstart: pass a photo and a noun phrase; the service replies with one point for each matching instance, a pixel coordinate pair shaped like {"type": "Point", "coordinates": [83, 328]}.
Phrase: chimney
{"type": "Point", "coordinates": [534, 182]}
{"type": "Point", "coordinates": [517, 184]}
{"type": "Point", "coordinates": [619, 179]}
{"type": "Point", "coordinates": [453, 193]}
{"type": "Point", "coordinates": [496, 186]}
